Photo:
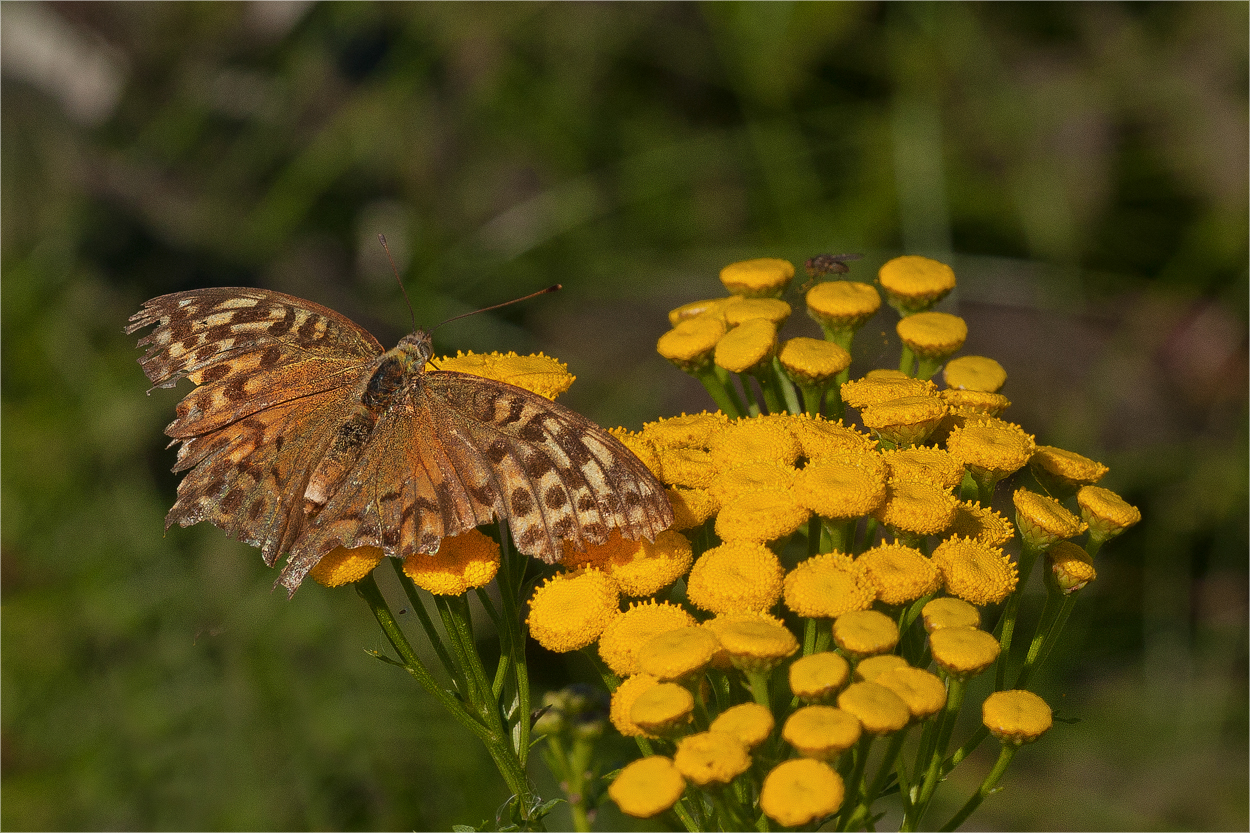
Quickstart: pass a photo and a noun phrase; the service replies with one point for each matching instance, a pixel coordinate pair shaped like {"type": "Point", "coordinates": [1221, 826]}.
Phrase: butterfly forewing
{"type": "Point", "coordinates": [281, 379]}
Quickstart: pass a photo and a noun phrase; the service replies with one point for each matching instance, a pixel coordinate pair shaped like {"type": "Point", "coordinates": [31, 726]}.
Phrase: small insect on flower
{"type": "Point", "coordinates": [821, 266]}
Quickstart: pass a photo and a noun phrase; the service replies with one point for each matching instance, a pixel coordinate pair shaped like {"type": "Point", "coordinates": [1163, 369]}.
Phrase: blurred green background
{"type": "Point", "coordinates": [1082, 166]}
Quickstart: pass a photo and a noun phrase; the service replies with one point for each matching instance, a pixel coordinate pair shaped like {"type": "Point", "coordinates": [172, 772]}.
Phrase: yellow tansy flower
{"type": "Point", "coordinates": [664, 709]}
{"type": "Point", "coordinates": [691, 344]}
{"type": "Point", "coordinates": [880, 710]}
{"type": "Point", "coordinates": [917, 508]}
{"type": "Point", "coordinates": [932, 335]}
{"type": "Point", "coordinates": [748, 347]}
{"type": "Point", "coordinates": [643, 568]}
{"type": "Point", "coordinates": [1042, 520]}
{"type": "Point", "coordinates": [975, 572]}
{"type": "Point", "coordinates": [761, 277]}
{"type": "Point", "coordinates": [736, 576]}
{"type": "Point", "coordinates": [812, 362]}
{"type": "Point", "coordinates": [691, 507]}
{"type": "Point", "coordinates": [756, 645]}
{"type": "Point", "coordinates": [818, 677]}
{"type": "Point", "coordinates": [694, 309]}
{"type": "Point", "coordinates": [688, 467]}
{"type": "Point", "coordinates": [876, 390]}
{"type": "Point", "coordinates": [963, 652]}
{"type": "Point", "coordinates": [924, 464]}
{"type": "Point", "coordinates": [622, 640]}
{"type": "Point", "coordinates": [840, 490]}
{"type": "Point", "coordinates": [623, 703]}
{"type": "Point", "coordinates": [1016, 717]}
{"type": "Point", "coordinates": [828, 585]}
{"type": "Point", "coordinates": [571, 610]}
{"type": "Point", "coordinates": [801, 790]}
{"type": "Point", "coordinates": [462, 562]}
{"type": "Point", "coordinates": [869, 668]}
{"type": "Point", "coordinates": [975, 402]}
{"type": "Point", "coordinates": [842, 305]}
{"type": "Point", "coordinates": [980, 523]}
{"type": "Point", "coordinates": [751, 477]}
{"type": "Point", "coordinates": [950, 612]}
{"type": "Point", "coordinates": [1106, 513]}
{"type": "Point", "coordinates": [821, 732]}
{"type": "Point", "coordinates": [678, 653]}
{"type": "Point", "coordinates": [1063, 472]}
{"type": "Point", "coordinates": [862, 633]}
{"type": "Point", "coordinates": [820, 438]}
{"type": "Point", "coordinates": [913, 283]}
{"type": "Point", "coordinates": [343, 566]}
{"type": "Point", "coordinates": [900, 573]}
{"type": "Point", "coordinates": [1071, 566]}
{"type": "Point", "coordinates": [763, 515]}
{"type": "Point", "coordinates": [923, 692]}
{"type": "Point", "coordinates": [647, 787]}
{"type": "Point", "coordinates": [537, 373]}
{"type": "Point", "coordinates": [975, 373]}
{"type": "Point", "coordinates": [739, 310]}
{"type": "Point", "coordinates": [711, 758]}
{"type": "Point", "coordinates": [754, 440]}
{"type": "Point", "coordinates": [722, 621]}
{"type": "Point", "coordinates": [906, 421]}
{"type": "Point", "coordinates": [685, 431]}
{"type": "Point", "coordinates": [750, 723]}
{"type": "Point", "coordinates": [990, 450]}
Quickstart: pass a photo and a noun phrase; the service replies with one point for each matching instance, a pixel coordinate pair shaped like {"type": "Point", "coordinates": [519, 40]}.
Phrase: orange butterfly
{"type": "Point", "coordinates": [303, 435]}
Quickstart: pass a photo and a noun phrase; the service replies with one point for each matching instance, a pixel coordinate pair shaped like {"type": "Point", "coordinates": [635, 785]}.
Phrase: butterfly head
{"type": "Point", "coordinates": [415, 349]}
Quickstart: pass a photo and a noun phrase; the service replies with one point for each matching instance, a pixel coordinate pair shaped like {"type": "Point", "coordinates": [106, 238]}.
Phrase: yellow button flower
{"type": "Point", "coordinates": [980, 523]}
{"type": "Point", "coordinates": [811, 362]}
{"type": "Point", "coordinates": [647, 787]}
{"type": "Point", "coordinates": [932, 335]}
{"type": "Point", "coordinates": [821, 732]}
{"type": "Point", "coordinates": [748, 347]}
{"type": "Point", "coordinates": [900, 573]}
{"type": "Point", "coordinates": [694, 309]}
{"type": "Point", "coordinates": [820, 438]}
{"type": "Point", "coordinates": [663, 710]}
{"type": "Point", "coordinates": [623, 703]}
{"type": "Point", "coordinates": [750, 723]}
{"type": "Point", "coordinates": [736, 576]}
{"type": "Point", "coordinates": [877, 390]}
{"type": "Point", "coordinates": [1106, 513]}
{"type": "Point", "coordinates": [950, 612]}
{"type": "Point", "coordinates": [751, 477]}
{"type": "Point", "coordinates": [880, 710]}
{"type": "Point", "coordinates": [990, 450]}
{"type": "Point", "coordinates": [756, 645]}
{"type": "Point", "coordinates": [739, 310]}
{"type": "Point", "coordinates": [691, 507]}
{"type": "Point", "coordinates": [801, 791]}
{"type": "Point", "coordinates": [1063, 472]}
{"type": "Point", "coordinates": [571, 610]}
{"type": "Point", "coordinates": [644, 568]}
{"type": "Point", "coordinates": [678, 654]}
{"type": "Point", "coordinates": [862, 633]}
{"type": "Point", "coordinates": [685, 431]}
{"type": "Point", "coordinates": [722, 621]}
{"type": "Point", "coordinates": [1016, 717]}
{"type": "Point", "coordinates": [817, 677]}
{"type": "Point", "coordinates": [755, 440]}
{"type": "Point", "coordinates": [537, 373]}
{"type": "Point", "coordinates": [828, 585]}
{"type": "Point", "coordinates": [761, 277]}
{"type": "Point", "coordinates": [924, 464]}
{"type": "Point", "coordinates": [691, 344]}
{"type": "Point", "coordinates": [343, 566]}
{"type": "Point", "coordinates": [622, 640]}
{"type": "Point", "coordinates": [915, 507]}
{"type": "Point", "coordinates": [763, 515]}
{"type": "Point", "coordinates": [869, 668]}
{"type": "Point", "coordinates": [687, 467]}
{"type": "Point", "coordinates": [711, 758]}
{"type": "Point", "coordinates": [975, 373]}
{"type": "Point", "coordinates": [975, 572]}
{"type": "Point", "coordinates": [913, 283]}
{"type": "Point", "coordinates": [963, 652]}
{"type": "Point", "coordinates": [1043, 520]}
{"type": "Point", "coordinates": [923, 692]}
{"type": "Point", "coordinates": [906, 421]}
{"type": "Point", "coordinates": [972, 403]}
{"type": "Point", "coordinates": [462, 562]}
{"type": "Point", "coordinates": [1072, 567]}
{"type": "Point", "coordinates": [840, 490]}
{"type": "Point", "coordinates": [842, 305]}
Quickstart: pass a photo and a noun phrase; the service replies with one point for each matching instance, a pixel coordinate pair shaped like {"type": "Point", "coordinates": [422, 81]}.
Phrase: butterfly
{"type": "Point", "coordinates": [304, 435]}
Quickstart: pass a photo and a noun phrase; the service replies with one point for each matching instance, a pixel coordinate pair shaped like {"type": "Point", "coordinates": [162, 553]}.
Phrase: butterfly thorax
{"type": "Point", "coordinates": [387, 387]}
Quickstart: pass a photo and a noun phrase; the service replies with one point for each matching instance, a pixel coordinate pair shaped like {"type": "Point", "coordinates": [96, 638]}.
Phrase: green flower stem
{"type": "Point", "coordinates": [812, 395]}
{"type": "Point", "coordinates": [753, 405]}
{"type": "Point", "coordinates": [841, 336]}
{"type": "Point", "coordinates": [840, 534]}
{"type": "Point", "coordinates": [850, 804]}
{"type": "Point", "coordinates": [809, 637]}
{"type": "Point", "coordinates": [926, 367]}
{"type": "Point", "coordinates": [773, 399]}
{"type": "Point", "coordinates": [783, 384]}
{"type": "Point", "coordinates": [813, 535]}
{"type": "Point", "coordinates": [967, 749]}
{"type": "Point", "coordinates": [987, 786]}
{"type": "Point", "coordinates": [464, 650]}
{"type": "Point", "coordinates": [505, 759]}
{"type": "Point", "coordinates": [722, 394]}
{"type": "Point", "coordinates": [511, 583]}
{"type": "Point", "coordinates": [757, 681]}
{"type": "Point", "coordinates": [933, 771]}
{"type": "Point", "coordinates": [864, 810]}
{"type": "Point", "coordinates": [907, 362]}
{"type": "Point", "coordinates": [1059, 605]}
{"type": "Point", "coordinates": [1007, 623]}
{"type": "Point", "coordinates": [870, 534]}
{"type": "Point", "coordinates": [431, 632]}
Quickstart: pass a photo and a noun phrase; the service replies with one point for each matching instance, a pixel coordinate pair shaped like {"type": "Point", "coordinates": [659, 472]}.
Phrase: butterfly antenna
{"type": "Point", "coordinates": [385, 248]}
{"type": "Point", "coordinates": [555, 287]}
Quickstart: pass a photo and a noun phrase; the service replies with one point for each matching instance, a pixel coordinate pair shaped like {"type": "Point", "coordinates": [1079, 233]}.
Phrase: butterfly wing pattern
{"type": "Point", "coordinates": [303, 435]}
